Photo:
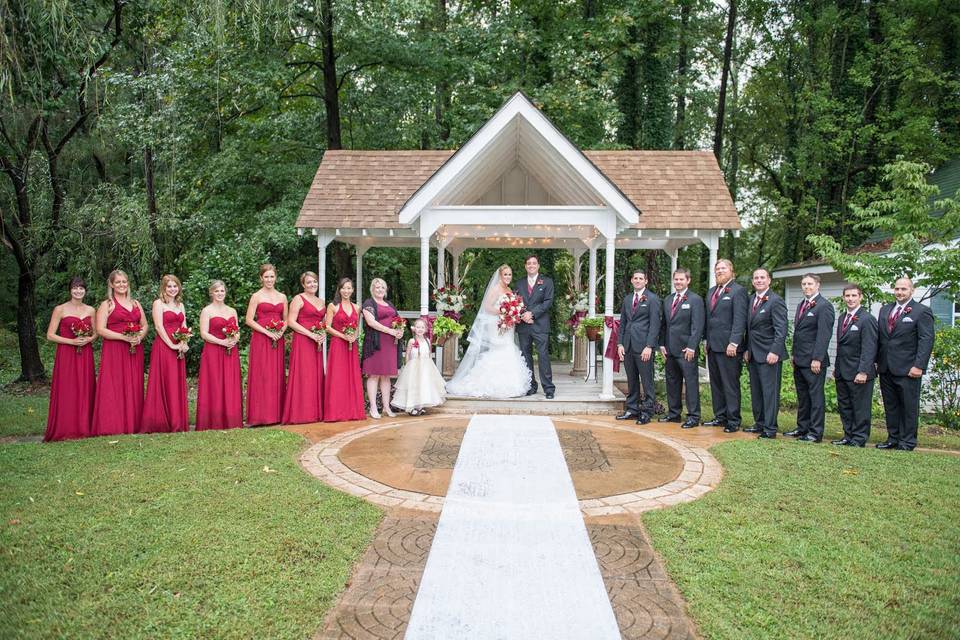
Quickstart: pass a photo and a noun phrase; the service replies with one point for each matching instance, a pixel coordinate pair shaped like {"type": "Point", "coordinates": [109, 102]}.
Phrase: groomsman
{"type": "Point", "coordinates": [812, 327]}
{"type": "Point", "coordinates": [766, 349]}
{"type": "Point", "coordinates": [903, 353]}
{"type": "Point", "coordinates": [855, 369]}
{"type": "Point", "coordinates": [636, 347]}
{"type": "Point", "coordinates": [681, 330]}
{"type": "Point", "coordinates": [727, 305]}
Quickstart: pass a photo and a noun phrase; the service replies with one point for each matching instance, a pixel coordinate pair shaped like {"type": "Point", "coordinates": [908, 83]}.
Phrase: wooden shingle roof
{"type": "Point", "coordinates": [671, 189]}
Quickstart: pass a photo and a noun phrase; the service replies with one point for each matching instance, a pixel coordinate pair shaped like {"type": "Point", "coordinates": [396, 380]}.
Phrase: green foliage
{"type": "Point", "coordinates": [444, 327]}
{"type": "Point", "coordinates": [589, 323]}
{"type": "Point", "coordinates": [922, 246]}
{"type": "Point", "coordinates": [942, 388]}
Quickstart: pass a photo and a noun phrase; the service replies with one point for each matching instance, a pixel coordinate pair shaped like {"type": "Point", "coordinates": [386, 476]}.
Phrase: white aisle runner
{"type": "Point", "coordinates": [511, 557]}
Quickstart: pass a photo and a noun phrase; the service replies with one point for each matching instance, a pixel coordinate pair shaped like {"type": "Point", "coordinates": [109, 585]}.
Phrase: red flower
{"type": "Point", "coordinates": [539, 281]}
{"type": "Point", "coordinates": [643, 298]}
{"type": "Point", "coordinates": [132, 329]}
{"type": "Point", "coordinates": [726, 289]}
{"type": "Point", "coordinates": [907, 310]}
{"type": "Point", "coordinates": [82, 329]}
{"type": "Point", "coordinates": [319, 329]}
{"type": "Point", "coordinates": [275, 327]}
{"type": "Point", "coordinates": [181, 334]}
{"type": "Point", "coordinates": [349, 329]}
{"type": "Point", "coordinates": [230, 331]}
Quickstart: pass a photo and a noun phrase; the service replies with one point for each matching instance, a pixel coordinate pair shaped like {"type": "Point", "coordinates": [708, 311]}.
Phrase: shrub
{"type": "Point", "coordinates": [942, 390]}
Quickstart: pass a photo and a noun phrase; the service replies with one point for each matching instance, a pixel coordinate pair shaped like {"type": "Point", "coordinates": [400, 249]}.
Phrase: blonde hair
{"type": "Point", "coordinates": [308, 274]}
{"type": "Point", "coordinates": [111, 278]}
{"type": "Point", "coordinates": [213, 285]}
{"type": "Point", "coordinates": [377, 281]}
{"type": "Point", "coordinates": [421, 321]}
{"type": "Point", "coordinates": [266, 266]}
{"type": "Point", "coordinates": [163, 286]}
{"type": "Point", "coordinates": [502, 267]}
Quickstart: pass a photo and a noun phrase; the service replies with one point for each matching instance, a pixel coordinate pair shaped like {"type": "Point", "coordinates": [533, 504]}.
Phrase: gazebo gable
{"type": "Point", "coordinates": [518, 158]}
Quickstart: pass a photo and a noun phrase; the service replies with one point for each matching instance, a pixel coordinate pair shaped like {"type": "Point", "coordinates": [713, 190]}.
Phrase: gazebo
{"type": "Point", "coordinates": [519, 182]}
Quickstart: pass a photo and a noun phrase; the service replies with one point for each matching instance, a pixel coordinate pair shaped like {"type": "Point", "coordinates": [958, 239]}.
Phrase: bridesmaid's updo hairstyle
{"type": "Point", "coordinates": [213, 285]}
{"type": "Point", "coordinates": [337, 299]}
{"type": "Point", "coordinates": [77, 281]}
{"type": "Point", "coordinates": [308, 274]}
{"type": "Point", "coordinates": [163, 288]}
{"type": "Point", "coordinates": [375, 282]}
{"type": "Point", "coordinates": [110, 278]}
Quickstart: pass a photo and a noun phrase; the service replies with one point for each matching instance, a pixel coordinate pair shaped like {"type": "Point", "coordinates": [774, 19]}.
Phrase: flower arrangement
{"type": "Point", "coordinates": [319, 329]}
{"type": "Point", "coordinates": [181, 335]}
{"type": "Point", "coordinates": [444, 327]}
{"type": "Point", "coordinates": [132, 329]}
{"type": "Point", "coordinates": [82, 329]}
{"type": "Point", "coordinates": [349, 329]}
{"type": "Point", "coordinates": [231, 331]}
{"type": "Point", "coordinates": [450, 301]}
{"type": "Point", "coordinates": [276, 328]}
{"type": "Point", "coordinates": [579, 304]}
{"type": "Point", "coordinates": [511, 307]}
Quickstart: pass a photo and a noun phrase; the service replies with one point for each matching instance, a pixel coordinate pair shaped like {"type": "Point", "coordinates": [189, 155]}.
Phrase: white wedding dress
{"type": "Point", "coordinates": [493, 366]}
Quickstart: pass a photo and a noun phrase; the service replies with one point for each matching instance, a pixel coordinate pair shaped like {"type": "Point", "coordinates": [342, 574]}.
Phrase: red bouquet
{"type": "Point", "coordinates": [511, 308]}
{"type": "Point", "coordinates": [181, 335]}
{"type": "Point", "coordinates": [82, 329]}
{"type": "Point", "coordinates": [398, 323]}
{"type": "Point", "coordinates": [132, 329]}
{"type": "Point", "coordinates": [319, 329]}
{"type": "Point", "coordinates": [350, 329]}
{"type": "Point", "coordinates": [276, 328]}
{"type": "Point", "coordinates": [231, 331]}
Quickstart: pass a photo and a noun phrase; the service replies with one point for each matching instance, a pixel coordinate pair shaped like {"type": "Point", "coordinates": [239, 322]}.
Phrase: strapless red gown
{"type": "Point", "coordinates": [119, 398]}
{"type": "Point", "coordinates": [220, 387]}
{"type": "Point", "coordinates": [72, 389]}
{"type": "Point", "coordinates": [265, 371]}
{"type": "Point", "coordinates": [343, 386]}
{"type": "Point", "coordinates": [303, 401]}
{"type": "Point", "coordinates": [165, 409]}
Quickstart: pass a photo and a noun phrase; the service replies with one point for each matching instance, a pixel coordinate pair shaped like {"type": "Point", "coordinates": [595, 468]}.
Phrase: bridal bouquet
{"type": "Point", "coordinates": [511, 308]}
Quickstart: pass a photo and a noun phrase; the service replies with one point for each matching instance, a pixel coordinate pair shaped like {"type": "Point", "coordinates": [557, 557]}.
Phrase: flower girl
{"type": "Point", "coordinates": [419, 384]}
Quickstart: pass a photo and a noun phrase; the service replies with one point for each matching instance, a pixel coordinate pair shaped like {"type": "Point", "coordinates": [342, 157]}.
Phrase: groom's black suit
{"type": "Point", "coordinates": [538, 301]}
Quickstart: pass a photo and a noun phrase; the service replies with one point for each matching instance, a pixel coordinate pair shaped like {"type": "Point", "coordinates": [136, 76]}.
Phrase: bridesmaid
{"type": "Point", "coordinates": [343, 388]}
{"type": "Point", "coordinates": [165, 409]}
{"type": "Point", "coordinates": [379, 346]}
{"type": "Point", "coordinates": [265, 368]}
{"type": "Point", "coordinates": [219, 389]}
{"type": "Point", "coordinates": [304, 397]}
{"type": "Point", "coordinates": [74, 379]}
{"type": "Point", "coordinates": [119, 398]}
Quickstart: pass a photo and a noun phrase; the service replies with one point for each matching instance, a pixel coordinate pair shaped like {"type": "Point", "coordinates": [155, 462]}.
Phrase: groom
{"type": "Point", "coordinates": [537, 294]}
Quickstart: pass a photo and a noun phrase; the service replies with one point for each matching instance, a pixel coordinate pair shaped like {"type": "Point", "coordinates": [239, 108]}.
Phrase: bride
{"type": "Point", "coordinates": [493, 366]}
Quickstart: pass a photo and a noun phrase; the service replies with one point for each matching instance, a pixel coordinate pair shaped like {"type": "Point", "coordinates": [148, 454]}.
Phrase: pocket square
{"type": "Point", "coordinates": [908, 319]}
{"type": "Point", "coordinates": [810, 314]}
{"type": "Point", "coordinates": [685, 306]}
{"type": "Point", "coordinates": [763, 310]}
{"type": "Point", "coordinates": [725, 298]}
{"type": "Point", "coordinates": [854, 328]}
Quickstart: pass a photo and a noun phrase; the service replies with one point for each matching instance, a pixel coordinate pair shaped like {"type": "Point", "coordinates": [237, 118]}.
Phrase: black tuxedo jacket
{"type": "Point", "coordinates": [685, 329]}
{"type": "Point", "coordinates": [910, 342]}
{"type": "Point", "coordinates": [539, 301]}
{"type": "Point", "coordinates": [727, 322]}
{"type": "Point", "coordinates": [641, 328]}
{"type": "Point", "coordinates": [767, 328]}
{"type": "Point", "coordinates": [811, 333]}
{"type": "Point", "coordinates": [857, 346]}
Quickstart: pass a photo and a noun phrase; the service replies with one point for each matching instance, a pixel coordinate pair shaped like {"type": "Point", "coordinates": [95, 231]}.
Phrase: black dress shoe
{"type": "Point", "coordinates": [899, 448]}
{"type": "Point", "coordinates": [843, 442]}
{"type": "Point", "coordinates": [796, 433]}
{"type": "Point", "coordinates": [887, 445]}
{"type": "Point", "coordinates": [729, 429]}
{"type": "Point", "coordinates": [714, 423]}
{"type": "Point", "coordinates": [549, 396]}
{"type": "Point", "coordinates": [856, 444]}
{"type": "Point", "coordinates": [531, 392]}
{"type": "Point", "coordinates": [690, 423]}
{"type": "Point", "coordinates": [809, 438]}
{"type": "Point", "coordinates": [753, 429]}
{"type": "Point", "coordinates": [669, 419]}
{"type": "Point", "coordinates": [767, 436]}
{"type": "Point", "coordinates": [626, 415]}
{"type": "Point", "coordinates": [643, 419]}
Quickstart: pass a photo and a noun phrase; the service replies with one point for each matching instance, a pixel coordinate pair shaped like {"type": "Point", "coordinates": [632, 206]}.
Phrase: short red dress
{"type": "Point", "coordinates": [265, 371]}
{"type": "Point", "coordinates": [72, 389]}
{"type": "Point", "coordinates": [303, 400]}
{"type": "Point", "coordinates": [165, 410]}
{"type": "Point", "coordinates": [119, 398]}
{"type": "Point", "coordinates": [219, 388]}
{"type": "Point", "coordinates": [343, 386]}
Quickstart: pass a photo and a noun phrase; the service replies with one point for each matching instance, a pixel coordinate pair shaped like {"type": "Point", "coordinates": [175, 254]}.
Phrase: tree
{"type": "Point", "coordinates": [924, 232]}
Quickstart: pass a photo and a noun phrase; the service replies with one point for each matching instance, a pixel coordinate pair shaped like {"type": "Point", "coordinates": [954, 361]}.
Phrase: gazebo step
{"type": "Point", "coordinates": [535, 405]}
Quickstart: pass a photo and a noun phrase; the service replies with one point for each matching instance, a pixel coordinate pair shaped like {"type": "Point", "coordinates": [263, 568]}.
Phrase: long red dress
{"type": "Point", "coordinates": [219, 389]}
{"type": "Point", "coordinates": [119, 398]}
{"type": "Point", "coordinates": [72, 389]}
{"type": "Point", "coordinates": [265, 371]}
{"type": "Point", "coordinates": [303, 401]}
{"type": "Point", "coordinates": [165, 410]}
{"type": "Point", "coordinates": [343, 387]}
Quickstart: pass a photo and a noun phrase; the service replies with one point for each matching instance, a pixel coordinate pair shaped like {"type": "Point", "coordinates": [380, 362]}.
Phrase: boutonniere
{"type": "Point", "coordinates": [764, 298]}
{"type": "Point", "coordinates": [854, 319]}
{"type": "Point", "coordinates": [539, 282]}
{"type": "Point", "coordinates": [683, 298]}
{"type": "Point", "coordinates": [812, 304]}
{"type": "Point", "coordinates": [726, 289]}
{"type": "Point", "coordinates": [643, 298]}
{"type": "Point", "coordinates": [907, 310]}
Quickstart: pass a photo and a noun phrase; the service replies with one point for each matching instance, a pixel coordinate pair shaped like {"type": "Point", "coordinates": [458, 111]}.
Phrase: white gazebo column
{"type": "Point", "coordinates": [606, 392]}
{"type": "Point", "coordinates": [361, 249]}
{"type": "Point", "coordinates": [674, 255]}
{"type": "Point", "coordinates": [441, 281]}
{"type": "Point", "coordinates": [424, 275]}
{"type": "Point", "coordinates": [451, 353]}
{"type": "Point", "coordinates": [578, 356]}
{"type": "Point", "coordinates": [323, 239]}
{"type": "Point", "coordinates": [713, 244]}
{"type": "Point", "coordinates": [592, 310]}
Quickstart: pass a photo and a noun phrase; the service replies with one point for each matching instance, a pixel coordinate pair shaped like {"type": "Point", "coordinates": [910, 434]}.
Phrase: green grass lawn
{"type": "Point", "coordinates": [214, 534]}
{"type": "Point", "coordinates": [819, 542]}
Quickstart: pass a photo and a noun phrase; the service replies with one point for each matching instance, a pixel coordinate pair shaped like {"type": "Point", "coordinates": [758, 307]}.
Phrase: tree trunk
{"type": "Point", "coordinates": [721, 101]}
{"type": "Point", "coordinates": [331, 94]}
{"type": "Point", "coordinates": [679, 134]}
{"type": "Point", "coordinates": [31, 366]}
{"type": "Point", "coordinates": [442, 98]}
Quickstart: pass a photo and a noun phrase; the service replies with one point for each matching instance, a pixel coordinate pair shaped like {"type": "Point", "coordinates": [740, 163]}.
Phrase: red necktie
{"type": "Point", "coordinates": [676, 303]}
{"type": "Point", "coordinates": [756, 303]}
{"type": "Point", "coordinates": [715, 298]}
{"type": "Point", "coordinates": [847, 321]}
{"type": "Point", "coordinates": [892, 320]}
{"type": "Point", "coordinates": [803, 309]}
{"type": "Point", "coordinates": [636, 300]}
